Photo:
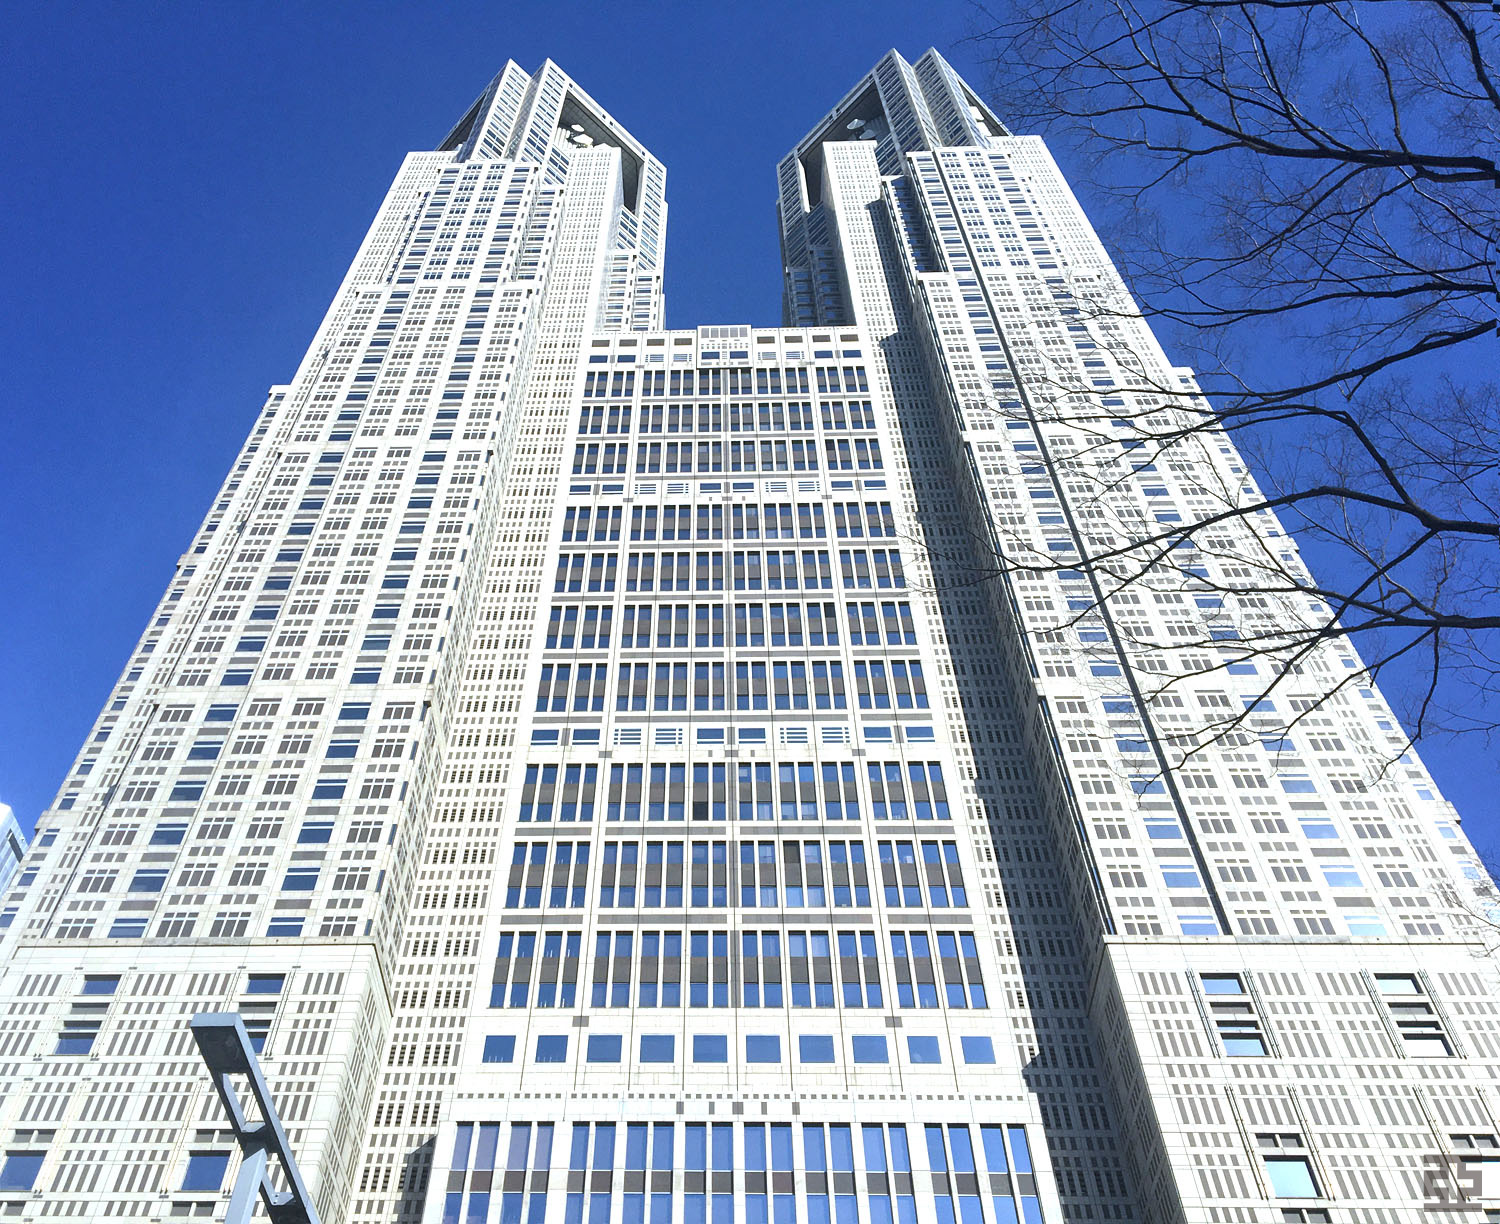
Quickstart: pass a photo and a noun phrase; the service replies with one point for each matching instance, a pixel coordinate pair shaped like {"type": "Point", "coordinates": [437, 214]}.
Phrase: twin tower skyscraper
{"type": "Point", "coordinates": [638, 776]}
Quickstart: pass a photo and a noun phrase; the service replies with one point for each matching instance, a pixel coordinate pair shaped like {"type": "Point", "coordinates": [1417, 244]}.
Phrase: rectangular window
{"type": "Point", "coordinates": [1288, 1167]}
{"type": "Point", "coordinates": [499, 1048]}
{"type": "Point", "coordinates": [20, 1170]}
{"type": "Point", "coordinates": [1413, 1016]}
{"type": "Point", "coordinates": [552, 1049]}
{"type": "Point", "coordinates": [658, 1048]}
{"type": "Point", "coordinates": [603, 1048]}
{"type": "Point", "coordinates": [977, 1050]}
{"type": "Point", "coordinates": [762, 1048]}
{"type": "Point", "coordinates": [710, 1048]}
{"type": "Point", "coordinates": [77, 1037]}
{"type": "Point", "coordinates": [1233, 1014]}
{"type": "Point", "coordinates": [814, 1048]}
{"type": "Point", "coordinates": [924, 1051]}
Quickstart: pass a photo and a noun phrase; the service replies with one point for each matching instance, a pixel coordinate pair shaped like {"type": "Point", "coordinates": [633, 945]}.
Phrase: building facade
{"type": "Point", "coordinates": [12, 846]}
{"type": "Point", "coordinates": [623, 773]}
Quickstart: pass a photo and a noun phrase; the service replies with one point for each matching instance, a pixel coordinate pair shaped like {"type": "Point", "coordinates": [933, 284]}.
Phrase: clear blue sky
{"type": "Point", "coordinates": [182, 188]}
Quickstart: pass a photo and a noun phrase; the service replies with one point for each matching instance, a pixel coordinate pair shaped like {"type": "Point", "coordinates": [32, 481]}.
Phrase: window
{"type": "Point", "coordinates": [151, 880]}
{"type": "Point", "coordinates": [77, 1037]}
{"type": "Point", "coordinates": [658, 1048]}
{"type": "Point", "coordinates": [1288, 1167]}
{"type": "Point", "coordinates": [169, 833]}
{"type": "Point", "coordinates": [127, 928]}
{"type": "Point", "coordinates": [762, 1048]}
{"type": "Point", "coordinates": [315, 832]}
{"type": "Point", "coordinates": [552, 1049]}
{"type": "Point", "coordinates": [499, 1048]}
{"type": "Point", "coordinates": [977, 1050]}
{"type": "Point", "coordinates": [924, 1050]}
{"type": "Point", "coordinates": [265, 983]}
{"type": "Point", "coordinates": [300, 879]}
{"type": "Point", "coordinates": [1413, 1015]}
{"type": "Point", "coordinates": [603, 1048]}
{"type": "Point", "coordinates": [101, 984]}
{"type": "Point", "coordinates": [814, 1048]}
{"type": "Point", "coordinates": [869, 1049]}
{"type": "Point", "coordinates": [257, 1029]}
{"type": "Point", "coordinates": [205, 1171]}
{"type": "Point", "coordinates": [1232, 1012]}
{"type": "Point", "coordinates": [20, 1170]}
{"type": "Point", "coordinates": [710, 1048]}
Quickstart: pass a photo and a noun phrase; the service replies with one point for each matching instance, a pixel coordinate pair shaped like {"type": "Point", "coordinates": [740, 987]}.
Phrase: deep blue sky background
{"type": "Point", "coordinates": [182, 187]}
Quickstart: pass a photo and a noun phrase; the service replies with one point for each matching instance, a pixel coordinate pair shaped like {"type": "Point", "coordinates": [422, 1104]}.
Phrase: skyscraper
{"type": "Point", "coordinates": [623, 773]}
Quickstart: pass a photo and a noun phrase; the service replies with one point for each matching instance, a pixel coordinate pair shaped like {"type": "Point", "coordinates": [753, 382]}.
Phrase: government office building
{"type": "Point", "coordinates": [625, 775]}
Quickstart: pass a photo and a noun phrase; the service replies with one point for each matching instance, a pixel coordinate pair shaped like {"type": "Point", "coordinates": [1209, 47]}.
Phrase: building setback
{"type": "Point", "coordinates": [633, 775]}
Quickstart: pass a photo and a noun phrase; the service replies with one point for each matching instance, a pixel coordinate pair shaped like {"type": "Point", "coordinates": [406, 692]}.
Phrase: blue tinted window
{"type": "Point", "coordinates": [658, 1048]}
{"type": "Point", "coordinates": [763, 1048]}
{"type": "Point", "coordinates": [1291, 1177]}
{"type": "Point", "coordinates": [499, 1048]}
{"type": "Point", "coordinates": [923, 1050]}
{"type": "Point", "coordinates": [710, 1048]}
{"type": "Point", "coordinates": [301, 879]}
{"type": "Point", "coordinates": [551, 1049]}
{"type": "Point", "coordinates": [205, 1171]}
{"type": "Point", "coordinates": [603, 1048]}
{"type": "Point", "coordinates": [869, 1050]}
{"type": "Point", "coordinates": [814, 1048]}
{"type": "Point", "coordinates": [977, 1049]}
{"type": "Point", "coordinates": [77, 1039]}
{"type": "Point", "coordinates": [20, 1170]}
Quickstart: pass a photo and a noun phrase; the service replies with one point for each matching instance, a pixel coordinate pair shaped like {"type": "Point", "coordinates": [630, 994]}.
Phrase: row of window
{"type": "Point", "coordinates": [738, 417]}
{"type": "Point", "coordinates": [772, 380]}
{"type": "Point", "coordinates": [1417, 1029]}
{"type": "Point", "coordinates": [795, 455]}
{"type": "Point", "coordinates": [791, 873]}
{"type": "Point", "coordinates": [889, 684]}
{"type": "Point", "coordinates": [772, 570]}
{"type": "Point", "coordinates": [770, 968]}
{"type": "Point", "coordinates": [759, 1048]}
{"type": "Point", "coordinates": [678, 626]}
{"type": "Point", "coordinates": [771, 521]}
{"type": "Point", "coordinates": [79, 1032]}
{"type": "Point", "coordinates": [861, 1174]}
{"type": "Point", "coordinates": [805, 790]}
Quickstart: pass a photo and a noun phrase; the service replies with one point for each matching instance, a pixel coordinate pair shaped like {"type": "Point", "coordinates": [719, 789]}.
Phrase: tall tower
{"type": "Point", "coordinates": [623, 773]}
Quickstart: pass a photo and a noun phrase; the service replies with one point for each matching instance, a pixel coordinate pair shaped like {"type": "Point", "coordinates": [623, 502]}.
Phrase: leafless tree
{"type": "Point", "coordinates": [1302, 196]}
